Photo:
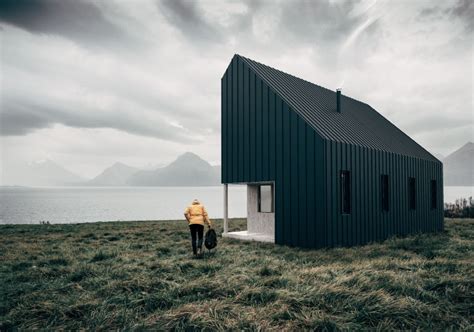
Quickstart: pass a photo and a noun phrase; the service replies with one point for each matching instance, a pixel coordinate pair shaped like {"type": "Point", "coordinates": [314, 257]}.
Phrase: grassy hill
{"type": "Point", "coordinates": [141, 275]}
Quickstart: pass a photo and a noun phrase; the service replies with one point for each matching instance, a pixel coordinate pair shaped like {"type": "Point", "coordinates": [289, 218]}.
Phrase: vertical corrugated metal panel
{"type": "Point", "coordinates": [235, 124]}
{"type": "Point", "coordinates": [252, 124]}
{"type": "Point", "coordinates": [264, 140]}
{"type": "Point", "coordinates": [334, 194]}
{"type": "Point", "coordinates": [287, 219]}
{"type": "Point", "coordinates": [280, 204]}
{"type": "Point", "coordinates": [246, 129]}
{"type": "Point", "coordinates": [294, 178]}
{"type": "Point", "coordinates": [343, 229]}
{"type": "Point", "coordinates": [271, 135]}
{"type": "Point", "coordinates": [366, 195]}
{"type": "Point", "coordinates": [329, 202]}
{"type": "Point", "coordinates": [423, 195]}
{"type": "Point", "coordinates": [232, 124]}
{"type": "Point", "coordinates": [354, 223]}
{"type": "Point", "coordinates": [302, 183]}
{"type": "Point", "coordinates": [224, 123]}
{"type": "Point", "coordinates": [390, 216]}
{"type": "Point", "coordinates": [382, 160]}
{"type": "Point", "coordinates": [258, 139]}
{"type": "Point", "coordinates": [265, 151]}
{"type": "Point", "coordinates": [401, 191]}
{"type": "Point", "coordinates": [313, 233]}
{"type": "Point", "coordinates": [321, 196]}
{"type": "Point", "coordinates": [404, 192]}
{"type": "Point", "coordinates": [394, 191]}
{"type": "Point", "coordinates": [441, 196]}
{"type": "Point", "coordinates": [357, 193]}
{"type": "Point", "coordinates": [381, 227]}
{"type": "Point", "coordinates": [337, 214]}
{"type": "Point", "coordinates": [240, 112]}
{"type": "Point", "coordinates": [369, 226]}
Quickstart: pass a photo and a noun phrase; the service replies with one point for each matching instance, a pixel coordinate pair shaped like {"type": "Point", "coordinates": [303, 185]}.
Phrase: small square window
{"type": "Point", "coordinates": [265, 198]}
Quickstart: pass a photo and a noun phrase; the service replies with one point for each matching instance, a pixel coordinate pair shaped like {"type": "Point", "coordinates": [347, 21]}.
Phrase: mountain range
{"type": "Point", "coordinates": [116, 175]}
{"type": "Point", "coordinates": [459, 166]}
{"type": "Point", "coordinates": [39, 173]}
{"type": "Point", "coordinates": [187, 170]}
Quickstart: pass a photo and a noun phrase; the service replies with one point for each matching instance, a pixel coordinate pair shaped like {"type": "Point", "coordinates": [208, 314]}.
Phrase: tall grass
{"type": "Point", "coordinates": [133, 275]}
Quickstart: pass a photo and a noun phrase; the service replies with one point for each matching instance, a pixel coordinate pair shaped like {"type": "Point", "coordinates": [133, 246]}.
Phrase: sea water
{"type": "Point", "coordinates": [89, 204]}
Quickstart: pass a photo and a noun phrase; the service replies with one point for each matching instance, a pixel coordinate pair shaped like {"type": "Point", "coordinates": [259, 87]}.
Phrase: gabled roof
{"type": "Point", "coordinates": [357, 124]}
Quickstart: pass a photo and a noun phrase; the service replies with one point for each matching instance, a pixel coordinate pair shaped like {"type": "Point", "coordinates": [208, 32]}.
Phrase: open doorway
{"type": "Point", "coordinates": [260, 214]}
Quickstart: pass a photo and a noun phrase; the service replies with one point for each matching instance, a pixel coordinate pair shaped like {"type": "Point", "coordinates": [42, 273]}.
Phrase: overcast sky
{"type": "Point", "coordinates": [89, 83]}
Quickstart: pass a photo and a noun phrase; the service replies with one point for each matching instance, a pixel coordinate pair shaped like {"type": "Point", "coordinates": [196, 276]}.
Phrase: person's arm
{"type": "Point", "coordinates": [186, 214]}
{"type": "Point", "coordinates": [206, 217]}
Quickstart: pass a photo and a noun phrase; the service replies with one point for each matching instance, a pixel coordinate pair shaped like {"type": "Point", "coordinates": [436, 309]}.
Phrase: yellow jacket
{"type": "Point", "coordinates": [196, 214]}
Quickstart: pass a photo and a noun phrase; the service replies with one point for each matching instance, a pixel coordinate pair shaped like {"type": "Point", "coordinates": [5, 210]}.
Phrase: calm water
{"type": "Point", "coordinates": [85, 204]}
{"type": "Point", "coordinates": [75, 205]}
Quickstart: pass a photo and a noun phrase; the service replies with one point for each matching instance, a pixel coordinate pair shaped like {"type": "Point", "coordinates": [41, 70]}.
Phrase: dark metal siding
{"type": "Point", "coordinates": [264, 139]}
{"type": "Point", "coordinates": [367, 222]}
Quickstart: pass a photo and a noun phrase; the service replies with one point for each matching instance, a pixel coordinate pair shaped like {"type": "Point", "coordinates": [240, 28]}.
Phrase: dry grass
{"type": "Point", "coordinates": [134, 275]}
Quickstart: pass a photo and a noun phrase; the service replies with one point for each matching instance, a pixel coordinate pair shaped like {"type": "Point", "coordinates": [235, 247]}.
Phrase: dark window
{"type": "Point", "coordinates": [384, 191]}
{"type": "Point", "coordinates": [345, 192]}
{"type": "Point", "coordinates": [434, 195]}
{"type": "Point", "coordinates": [412, 193]}
{"type": "Point", "coordinates": [265, 198]}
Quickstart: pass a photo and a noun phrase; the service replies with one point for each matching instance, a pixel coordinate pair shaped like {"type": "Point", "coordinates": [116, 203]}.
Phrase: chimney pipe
{"type": "Point", "coordinates": [338, 98]}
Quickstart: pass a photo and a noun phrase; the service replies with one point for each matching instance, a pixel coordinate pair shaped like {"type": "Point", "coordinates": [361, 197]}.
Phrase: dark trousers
{"type": "Point", "coordinates": [196, 231]}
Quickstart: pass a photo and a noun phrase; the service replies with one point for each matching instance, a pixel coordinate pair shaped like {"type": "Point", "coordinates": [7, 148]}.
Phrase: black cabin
{"type": "Point", "coordinates": [322, 169]}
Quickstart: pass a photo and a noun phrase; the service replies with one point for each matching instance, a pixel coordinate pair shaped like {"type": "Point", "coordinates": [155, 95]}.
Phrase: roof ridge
{"type": "Point", "coordinates": [301, 79]}
{"type": "Point", "coordinates": [359, 125]}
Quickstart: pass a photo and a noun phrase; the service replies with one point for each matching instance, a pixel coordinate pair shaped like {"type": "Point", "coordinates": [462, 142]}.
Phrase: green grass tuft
{"type": "Point", "coordinates": [102, 256]}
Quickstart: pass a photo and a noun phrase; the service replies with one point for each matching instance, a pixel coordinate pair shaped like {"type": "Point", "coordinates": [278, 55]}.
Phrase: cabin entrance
{"type": "Point", "coordinates": [260, 213]}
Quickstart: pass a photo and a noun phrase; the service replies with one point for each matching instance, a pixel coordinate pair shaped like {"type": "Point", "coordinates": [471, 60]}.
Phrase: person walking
{"type": "Point", "coordinates": [196, 215]}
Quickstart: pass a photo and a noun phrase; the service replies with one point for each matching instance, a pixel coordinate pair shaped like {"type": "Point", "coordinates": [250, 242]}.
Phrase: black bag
{"type": "Point", "coordinates": [211, 239]}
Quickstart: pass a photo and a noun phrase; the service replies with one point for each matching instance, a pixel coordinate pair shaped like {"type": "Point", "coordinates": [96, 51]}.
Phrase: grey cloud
{"type": "Point", "coordinates": [17, 120]}
{"type": "Point", "coordinates": [319, 21]}
{"type": "Point", "coordinates": [437, 122]}
{"type": "Point", "coordinates": [186, 16]}
{"type": "Point", "coordinates": [464, 10]}
{"type": "Point", "coordinates": [20, 118]}
{"type": "Point", "coordinates": [77, 20]}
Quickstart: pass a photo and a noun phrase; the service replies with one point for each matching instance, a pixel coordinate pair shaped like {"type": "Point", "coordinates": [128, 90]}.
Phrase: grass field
{"type": "Point", "coordinates": [133, 275]}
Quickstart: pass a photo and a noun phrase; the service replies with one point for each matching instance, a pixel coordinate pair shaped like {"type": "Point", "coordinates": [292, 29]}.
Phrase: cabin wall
{"type": "Point", "coordinates": [264, 140]}
{"type": "Point", "coordinates": [367, 222]}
